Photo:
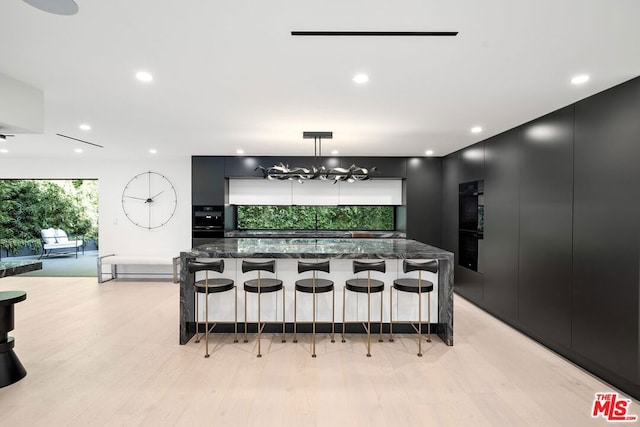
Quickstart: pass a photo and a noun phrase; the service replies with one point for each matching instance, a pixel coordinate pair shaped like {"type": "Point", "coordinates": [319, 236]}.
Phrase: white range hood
{"type": "Point", "coordinates": [315, 193]}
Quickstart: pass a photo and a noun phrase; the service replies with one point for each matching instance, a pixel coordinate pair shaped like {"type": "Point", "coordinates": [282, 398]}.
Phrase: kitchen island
{"type": "Point", "coordinates": [340, 252]}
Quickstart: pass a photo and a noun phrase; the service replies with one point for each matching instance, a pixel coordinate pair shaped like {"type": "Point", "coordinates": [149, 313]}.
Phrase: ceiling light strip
{"type": "Point", "coordinates": [375, 33]}
{"type": "Point", "coordinates": [80, 140]}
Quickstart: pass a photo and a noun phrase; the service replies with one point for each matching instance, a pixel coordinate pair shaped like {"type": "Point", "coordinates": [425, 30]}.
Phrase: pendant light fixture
{"type": "Point", "coordinates": [284, 172]}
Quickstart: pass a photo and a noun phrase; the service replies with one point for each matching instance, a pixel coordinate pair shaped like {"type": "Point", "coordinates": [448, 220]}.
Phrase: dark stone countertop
{"type": "Point", "coordinates": [318, 248]}
{"type": "Point", "coordinates": [11, 268]}
{"type": "Point", "coordinates": [324, 234]}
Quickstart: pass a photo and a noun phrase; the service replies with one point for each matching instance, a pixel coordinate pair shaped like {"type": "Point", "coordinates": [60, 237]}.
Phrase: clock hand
{"type": "Point", "coordinates": [150, 199]}
{"type": "Point", "coordinates": [137, 198]}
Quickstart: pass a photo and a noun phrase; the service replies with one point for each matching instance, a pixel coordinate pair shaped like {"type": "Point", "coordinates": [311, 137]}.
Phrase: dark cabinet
{"type": "Point", "coordinates": [501, 224]}
{"type": "Point", "coordinates": [561, 242]}
{"type": "Point", "coordinates": [471, 159]}
{"type": "Point", "coordinates": [423, 195]}
{"type": "Point", "coordinates": [450, 166]}
{"type": "Point", "coordinates": [208, 196]}
{"type": "Point", "coordinates": [386, 167]}
{"type": "Point", "coordinates": [469, 284]}
{"type": "Point", "coordinates": [245, 167]}
{"type": "Point", "coordinates": [207, 180]}
{"type": "Point", "coordinates": [606, 230]}
{"type": "Point", "coordinates": [545, 249]}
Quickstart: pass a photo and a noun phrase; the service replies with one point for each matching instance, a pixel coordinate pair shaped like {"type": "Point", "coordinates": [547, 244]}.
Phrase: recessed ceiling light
{"type": "Point", "coordinates": [85, 126]}
{"type": "Point", "coordinates": [4, 150]}
{"type": "Point", "coordinates": [153, 151]}
{"type": "Point", "coordinates": [429, 152]}
{"type": "Point", "coordinates": [476, 129]}
{"type": "Point", "coordinates": [578, 80]}
{"type": "Point", "coordinates": [239, 151]}
{"type": "Point", "coordinates": [144, 76]}
{"type": "Point", "coordinates": [334, 152]}
{"type": "Point", "coordinates": [78, 150]}
{"type": "Point", "coordinates": [360, 78]}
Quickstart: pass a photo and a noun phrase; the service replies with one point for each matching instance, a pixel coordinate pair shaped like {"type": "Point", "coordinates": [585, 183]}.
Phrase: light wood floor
{"type": "Point", "coordinates": [109, 355]}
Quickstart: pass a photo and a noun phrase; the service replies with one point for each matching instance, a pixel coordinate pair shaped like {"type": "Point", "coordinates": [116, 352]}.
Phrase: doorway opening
{"type": "Point", "coordinates": [29, 206]}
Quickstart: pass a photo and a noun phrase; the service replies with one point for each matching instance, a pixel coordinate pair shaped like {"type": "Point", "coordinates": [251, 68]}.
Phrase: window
{"type": "Point", "coordinates": [368, 218]}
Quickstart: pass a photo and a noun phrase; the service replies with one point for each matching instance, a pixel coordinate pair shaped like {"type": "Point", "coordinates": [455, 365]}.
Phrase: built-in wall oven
{"type": "Point", "coordinates": [207, 223]}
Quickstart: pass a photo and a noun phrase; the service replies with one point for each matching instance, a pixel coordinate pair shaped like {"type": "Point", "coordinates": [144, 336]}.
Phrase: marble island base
{"type": "Point", "coordinates": [341, 253]}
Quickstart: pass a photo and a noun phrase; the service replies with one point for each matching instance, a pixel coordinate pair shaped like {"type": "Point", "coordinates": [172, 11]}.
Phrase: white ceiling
{"type": "Point", "coordinates": [228, 75]}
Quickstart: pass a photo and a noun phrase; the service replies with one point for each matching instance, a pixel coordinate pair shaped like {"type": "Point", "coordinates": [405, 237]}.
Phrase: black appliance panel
{"type": "Point", "coordinates": [208, 218]}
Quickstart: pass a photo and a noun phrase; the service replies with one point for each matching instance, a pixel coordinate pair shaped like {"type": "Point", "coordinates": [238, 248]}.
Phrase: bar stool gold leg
{"type": "Point", "coordinates": [380, 339]}
{"type": "Point", "coordinates": [313, 327]}
{"type": "Point", "coordinates": [284, 333]}
{"type": "Point", "coordinates": [197, 319]}
{"type": "Point", "coordinates": [333, 315]}
{"type": "Point", "coordinates": [368, 314]}
{"type": "Point", "coordinates": [419, 324]}
{"type": "Point", "coordinates": [391, 314]}
{"type": "Point", "coordinates": [344, 320]}
{"type": "Point", "coordinates": [259, 323]}
{"type": "Point", "coordinates": [295, 315]}
{"type": "Point", "coordinates": [245, 317]}
{"type": "Point", "coordinates": [429, 314]}
{"type": "Point", "coordinates": [206, 323]}
{"type": "Point", "coordinates": [235, 322]}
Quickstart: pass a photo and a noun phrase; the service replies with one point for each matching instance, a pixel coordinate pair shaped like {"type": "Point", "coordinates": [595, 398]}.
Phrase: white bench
{"type": "Point", "coordinates": [55, 238]}
{"type": "Point", "coordinates": [115, 260]}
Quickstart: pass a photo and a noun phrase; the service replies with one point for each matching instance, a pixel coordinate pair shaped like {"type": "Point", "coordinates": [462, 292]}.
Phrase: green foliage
{"type": "Point", "coordinates": [14, 245]}
{"type": "Point", "coordinates": [28, 206]}
{"type": "Point", "coordinates": [316, 217]}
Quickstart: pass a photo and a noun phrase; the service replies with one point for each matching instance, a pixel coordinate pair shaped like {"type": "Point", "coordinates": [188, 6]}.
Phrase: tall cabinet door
{"type": "Point", "coordinates": [606, 229]}
{"type": "Point", "coordinates": [424, 195]}
{"type": "Point", "coordinates": [546, 210]}
{"type": "Point", "coordinates": [207, 180]}
{"type": "Point", "coordinates": [501, 224]}
{"type": "Point", "coordinates": [450, 165]}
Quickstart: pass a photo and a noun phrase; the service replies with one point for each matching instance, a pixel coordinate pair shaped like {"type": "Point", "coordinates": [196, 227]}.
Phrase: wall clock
{"type": "Point", "coordinates": [149, 200]}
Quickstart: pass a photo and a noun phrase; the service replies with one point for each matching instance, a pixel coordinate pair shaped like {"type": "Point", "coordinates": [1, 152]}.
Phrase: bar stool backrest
{"type": "Point", "coordinates": [195, 265]}
{"type": "Point", "coordinates": [359, 266]}
{"type": "Point", "coordinates": [269, 266]}
{"type": "Point", "coordinates": [313, 266]}
{"type": "Point", "coordinates": [430, 266]}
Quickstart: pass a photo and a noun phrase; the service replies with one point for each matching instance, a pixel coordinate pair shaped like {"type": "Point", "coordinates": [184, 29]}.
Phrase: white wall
{"type": "Point", "coordinates": [116, 233]}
